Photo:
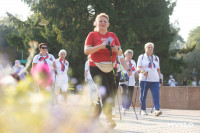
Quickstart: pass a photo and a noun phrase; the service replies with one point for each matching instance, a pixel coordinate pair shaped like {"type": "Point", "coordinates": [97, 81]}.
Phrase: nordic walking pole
{"type": "Point", "coordinates": [126, 100]}
{"type": "Point", "coordinates": [124, 79]}
{"type": "Point", "coordinates": [119, 107]}
{"type": "Point", "coordinates": [109, 48]}
{"type": "Point", "coordinates": [126, 95]}
{"type": "Point", "coordinates": [152, 109]}
{"type": "Point", "coordinates": [135, 102]}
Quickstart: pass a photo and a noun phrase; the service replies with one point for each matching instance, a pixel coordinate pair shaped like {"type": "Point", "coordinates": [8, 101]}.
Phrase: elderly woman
{"type": "Point", "coordinates": [128, 85]}
{"type": "Point", "coordinates": [149, 68]}
{"type": "Point", "coordinates": [45, 58]}
{"type": "Point", "coordinates": [61, 81]}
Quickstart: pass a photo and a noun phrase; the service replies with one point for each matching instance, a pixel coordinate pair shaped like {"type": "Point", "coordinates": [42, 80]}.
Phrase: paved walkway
{"type": "Point", "coordinates": [171, 121]}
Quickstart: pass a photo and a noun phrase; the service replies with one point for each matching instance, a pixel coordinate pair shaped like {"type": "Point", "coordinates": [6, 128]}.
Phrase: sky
{"type": "Point", "coordinates": [16, 7]}
{"type": "Point", "coordinates": [186, 12]}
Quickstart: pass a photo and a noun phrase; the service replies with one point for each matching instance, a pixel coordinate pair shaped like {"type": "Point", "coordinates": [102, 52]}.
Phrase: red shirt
{"type": "Point", "coordinates": [94, 39]}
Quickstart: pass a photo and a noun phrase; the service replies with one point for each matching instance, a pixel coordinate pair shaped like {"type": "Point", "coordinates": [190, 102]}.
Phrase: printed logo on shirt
{"type": "Point", "coordinates": [103, 39]}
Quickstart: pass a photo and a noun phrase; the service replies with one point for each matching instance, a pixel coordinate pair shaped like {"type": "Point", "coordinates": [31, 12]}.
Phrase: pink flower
{"type": "Point", "coordinates": [41, 74]}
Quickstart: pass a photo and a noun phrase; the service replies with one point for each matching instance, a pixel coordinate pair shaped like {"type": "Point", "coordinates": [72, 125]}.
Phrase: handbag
{"type": "Point", "coordinates": [122, 78]}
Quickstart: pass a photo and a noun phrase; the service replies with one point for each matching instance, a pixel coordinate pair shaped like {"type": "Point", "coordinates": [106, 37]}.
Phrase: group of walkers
{"type": "Point", "coordinates": [107, 61]}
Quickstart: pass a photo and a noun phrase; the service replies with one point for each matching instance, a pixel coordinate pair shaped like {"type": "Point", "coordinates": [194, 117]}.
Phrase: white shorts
{"type": "Point", "coordinates": [62, 87]}
{"type": "Point", "coordinates": [61, 83]}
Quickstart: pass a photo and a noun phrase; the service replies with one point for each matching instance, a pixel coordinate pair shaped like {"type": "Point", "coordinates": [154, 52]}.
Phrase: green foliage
{"type": "Point", "coordinates": [192, 58]}
{"type": "Point", "coordinates": [191, 55]}
{"type": "Point", "coordinates": [15, 40]}
{"type": "Point", "coordinates": [66, 24]}
{"type": "Point", "coordinates": [194, 38]}
{"type": "Point", "coordinates": [7, 27]}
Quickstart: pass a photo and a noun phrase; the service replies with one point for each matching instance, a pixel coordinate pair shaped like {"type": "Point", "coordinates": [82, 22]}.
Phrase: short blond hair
{"type": "Point", "coordinates": [149, 43]}
{"type": "Point", "coordinates": [128, 51]}
{"type": "Point", "coordinates": [97, 17]}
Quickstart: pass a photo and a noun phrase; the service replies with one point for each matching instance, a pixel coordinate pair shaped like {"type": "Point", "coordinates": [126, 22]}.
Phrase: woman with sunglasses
{"type": "Point", "coordinates": [45, 58]}
{"type": "Point", "coordinates": [148, 66]}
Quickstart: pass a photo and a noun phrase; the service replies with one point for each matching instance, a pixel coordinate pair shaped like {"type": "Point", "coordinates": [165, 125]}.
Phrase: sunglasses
{"type": "Point", "coordinates": [44, 47]}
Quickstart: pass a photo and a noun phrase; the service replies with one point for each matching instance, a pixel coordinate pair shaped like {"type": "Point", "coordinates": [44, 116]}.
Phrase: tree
{"type": "Point", "coordinates": [7, 27]}
{"type": "Point", "coordinates": [192, 58]}
{"type": "Point", "coordinates": [67, 23]}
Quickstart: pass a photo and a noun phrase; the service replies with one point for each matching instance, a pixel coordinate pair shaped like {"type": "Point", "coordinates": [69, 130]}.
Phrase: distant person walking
{"type": "Point", "coordinates": [128, 85]}
{"type": "Point", "coordinates": [17, 69]}
{"type": "Point", "coordinates": [61, 81]}
{"type": "Point", "coordinates": [171, 81]}
{"type": "Point", "coordinates": [184, 82]}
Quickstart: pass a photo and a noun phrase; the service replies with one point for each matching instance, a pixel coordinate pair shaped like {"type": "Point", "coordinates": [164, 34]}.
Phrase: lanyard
{"type": "Point", "coordinates": [131, 65]}
{"type": "Point", "coordinates": [151, 62]}
{"type": "Point", "coordinates": [62, 65]}
{"type": "Point", "coordinates": [43, 58]}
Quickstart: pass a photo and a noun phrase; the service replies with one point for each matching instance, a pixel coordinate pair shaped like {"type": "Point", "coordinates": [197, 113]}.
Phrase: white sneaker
{"type": "Point", "coordinates": [143, 112]}
{"type": "Point", "coordinates": [157, 112]}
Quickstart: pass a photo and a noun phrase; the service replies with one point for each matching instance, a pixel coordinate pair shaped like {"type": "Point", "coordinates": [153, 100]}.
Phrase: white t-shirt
{"type": "Point", "coordinates": [143, 61]}
{"type": "Point", "coordinates": [49, 60]}
{"type": "Point", "coordinates": [131, 81]}
{"type": "Point", "coordinates": [59, 65]}
{"type": "Point", "coordinates": [172, 82]}
{"type": "Point", "coordinates": [62, 75]}
{"type": "Point", "coordinates": [87, 69]}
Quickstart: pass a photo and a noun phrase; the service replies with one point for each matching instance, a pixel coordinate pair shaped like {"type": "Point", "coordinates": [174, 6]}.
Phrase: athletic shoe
{"type": "Point", "coordinates": [143, 112]}
{"type": "Point", "coordinates": [157, 112]}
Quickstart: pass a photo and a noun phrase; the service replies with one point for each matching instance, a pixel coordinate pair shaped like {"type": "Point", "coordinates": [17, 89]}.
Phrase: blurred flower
{"type": "Point", "coordinates": [36, 98]}
{"type": "Point", "coordinates": [41, 74]}
{"type": "Point", "coordinates": [102, 90]}
{"type": "Point", "coordinates": [79, 87]}
{"type": "Point", "coordinates": [74, 81]}
{"type": "Point", "coordinates": [7, 81]}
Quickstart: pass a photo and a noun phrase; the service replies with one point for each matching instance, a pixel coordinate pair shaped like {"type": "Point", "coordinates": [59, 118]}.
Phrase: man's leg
{"type": "Point", "coordinates": [143, 94]}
